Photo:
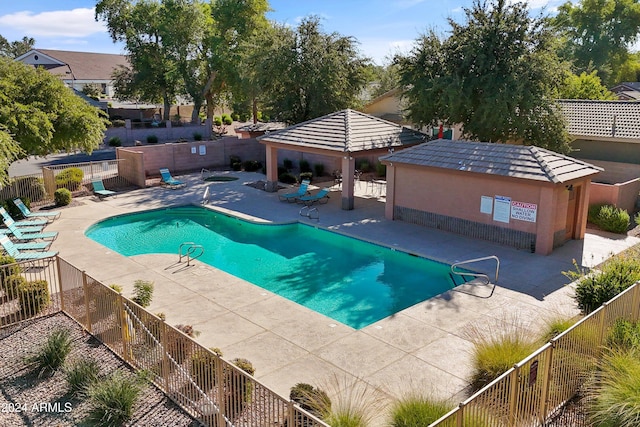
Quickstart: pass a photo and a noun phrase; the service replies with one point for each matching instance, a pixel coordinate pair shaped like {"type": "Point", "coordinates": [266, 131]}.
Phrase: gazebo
{"type": "Point", "coordinates": [343, 134]}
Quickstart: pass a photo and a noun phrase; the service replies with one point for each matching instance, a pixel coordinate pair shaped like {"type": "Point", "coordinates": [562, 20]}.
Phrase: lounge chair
{"type": "Point", "coordinates": [169, 181]}
{"type": "Point", "coordinates": [25, 223]}
{"type": "Point", "coordinates": [23, 236]}
{"type": "Point", "coordinates": [321, 196]}
{"type": "Point", "coordinates": [99, 190]}
{"type": "Point", "coordinates": [13, 251]}
{"type": "Point", "coordinates": [6, 218]}
{"type": "Point", "coordinates": [50, 215]}
{"type": "Point", "coordinates": [291, 197]}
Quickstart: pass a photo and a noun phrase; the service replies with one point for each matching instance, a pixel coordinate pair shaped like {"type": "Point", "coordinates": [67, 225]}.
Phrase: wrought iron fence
{"type": "Point", "coordinates": [212, 389]}
{"type": "Point", "coordinates": [534, 391]}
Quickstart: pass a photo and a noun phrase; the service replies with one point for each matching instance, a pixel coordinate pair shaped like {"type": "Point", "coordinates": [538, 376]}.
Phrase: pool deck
{"type": "Point", "coordinates": [425, 347]}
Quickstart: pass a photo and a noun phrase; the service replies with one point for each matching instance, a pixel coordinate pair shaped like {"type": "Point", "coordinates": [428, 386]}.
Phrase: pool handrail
{"type": "Point", "coordinates": [478, 275]}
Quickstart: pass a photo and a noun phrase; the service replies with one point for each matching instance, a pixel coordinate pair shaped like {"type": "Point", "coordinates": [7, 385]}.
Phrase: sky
{"type": "Point", "coordinates": [381, 27]}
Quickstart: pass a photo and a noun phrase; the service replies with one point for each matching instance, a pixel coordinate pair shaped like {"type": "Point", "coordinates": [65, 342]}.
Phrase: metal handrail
{"type": "Point", "coordinates": [478, 275]}
{"type": "Point", "coordinates": [191, 249]}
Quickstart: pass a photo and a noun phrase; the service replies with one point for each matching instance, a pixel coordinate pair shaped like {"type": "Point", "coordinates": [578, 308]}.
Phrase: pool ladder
{"type": "Point", "coordinates": [476, 278]}
{"type": "Point", "coordinates": [192, 252]}
{"type": "Point", "coordinates": [310, 212]}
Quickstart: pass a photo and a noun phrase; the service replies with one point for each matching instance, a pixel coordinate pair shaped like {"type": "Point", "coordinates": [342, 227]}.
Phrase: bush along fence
{"type": "Point", "coordinates": [217, 392]}
{"type": "Point", "coordinates": [536, 390]}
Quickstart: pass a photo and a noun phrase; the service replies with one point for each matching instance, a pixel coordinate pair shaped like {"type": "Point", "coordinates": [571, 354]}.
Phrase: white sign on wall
{"type": "Point", "coordinates": [486, 205]}
{"type": "Point", "coordinates": [501, 208]}
{"type": "Point", "coordinates": [524, 211]}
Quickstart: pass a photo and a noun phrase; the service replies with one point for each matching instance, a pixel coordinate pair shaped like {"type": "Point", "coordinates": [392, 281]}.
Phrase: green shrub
{"type": "Point", "coordinates": [609, 218]}
{"type": "Point", "coordinates": [624, 335]}
{"type": "Point", "coordinates": [311, 399]}
{"type": "Point", "coordinates": [217, 121]}
{"type": "Point", "coordinates": [304, 166]}
{"type": "Point", "coordinates": [70, 178]}
{"type": "Point", "coordinates": [364, 166]}
{"type": "Point", "coordinates": [306, 175]}
{"type": "Point", "coordinates": [234, 160]}
{"type": "Point", "coordinates": [81, 375]}
{"type": "Point", "coordinates": [51, 356]}
{"type": "Point", "coordinates": [381, 170]}
{"type": "Point", "coordinates": [115, 141]}
{"type": "Point", "coordinates": [116, 287]}
{"type": "Point", "coordinates": [235, 116]}
{"type": "Point", "coordinates": [417, 411]}
{"type": "Point", "coordinates": [197, 136]}
{"type": "Point", "coordinates": [33, 296]}
{"type": "Point", "coordinates": [203, 368]}
{"type": "Point", "coordinates": [62, 197]}
{"type": "Point", "coordinates": [496, 349]}
{"type": "Point", "coordinates": [226, 119]}
{"type": "Point", "coordinates": [318, 169]}
{"type": "Point", "coordinates": [143, 292]}
{"type": "Point", "coordinates": [118, 123]}
{"type": "Point", "coordinates": [152, 139]}
{"type": "Point", "coordinates": [238, 388]}
{"type": "Point", "coordinates": [12, 283]}
{"type": "Point", "coordinates": [177, 346]}
{"type": "Point", "coordinates": [615, 400]}
{"type": "Point", "coordinates": [251, 165]}
{"type": "Point", "coordinates": [112, 399]}
{"type": "Point", "coordinates": [288, 164]}
{"type": "Point", "coordinates": [556, 326]}
{"type": "Point", "coordinates": [616, 275]}
{"type": "Point", "coordinates": [287, 178]}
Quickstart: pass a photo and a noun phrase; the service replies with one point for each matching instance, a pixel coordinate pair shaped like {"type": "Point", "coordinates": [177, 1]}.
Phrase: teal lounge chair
{"type": "Point", "coordinates": [321, 196]}
{"type": "Point", "coordinates": [291, 197]}
{"type": "Point", "coordinates": [6, 218]}
{"type": "Point", "coordinates": [99, 190]}
{"type": "Point", "coordinates": [25, 223]}
{"type": "Point", "coordinates": [50, 215]}
{"type": "Point", "coordinates": [169, 181]}
{"type": "Point", "coordinates": [12, 250]}
{"type": "Point", "coordinates": [24, 236]}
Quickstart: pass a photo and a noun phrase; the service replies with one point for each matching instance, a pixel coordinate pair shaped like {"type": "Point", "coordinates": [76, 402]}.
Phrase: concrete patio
{"type": "Point", "coordinates": [425, 346]}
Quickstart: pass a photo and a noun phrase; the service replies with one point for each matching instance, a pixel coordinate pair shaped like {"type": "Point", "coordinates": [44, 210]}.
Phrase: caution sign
{"type": "Point", "coordinates": [524, 211]}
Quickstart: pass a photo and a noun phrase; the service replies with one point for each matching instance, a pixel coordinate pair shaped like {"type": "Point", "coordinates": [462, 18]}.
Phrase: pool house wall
{"type": "Point", "coordinates": [451, 200]}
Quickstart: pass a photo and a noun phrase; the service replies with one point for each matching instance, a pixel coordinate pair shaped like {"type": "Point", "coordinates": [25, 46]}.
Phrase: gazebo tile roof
{"type": "Point", "coordinates": [604, 119]}
{"type": "Point", "coordinates": [346, 131]}
{"type": "Point", "coordinates": [526, 162]}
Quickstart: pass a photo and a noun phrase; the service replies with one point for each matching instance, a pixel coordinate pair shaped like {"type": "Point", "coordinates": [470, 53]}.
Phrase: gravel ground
{"type": "Point", "coordinates": [26, 400]}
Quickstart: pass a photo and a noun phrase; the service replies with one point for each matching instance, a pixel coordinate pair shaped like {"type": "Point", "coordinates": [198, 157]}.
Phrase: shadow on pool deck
{"type": "Point", "coordinates": [425, 345]}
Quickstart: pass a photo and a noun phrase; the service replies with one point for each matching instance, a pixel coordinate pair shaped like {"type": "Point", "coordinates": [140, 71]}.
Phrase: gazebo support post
{"type": "Point", "coordinates": [272, 169]}
{"type": "Point", "coordinates": [348, 170]}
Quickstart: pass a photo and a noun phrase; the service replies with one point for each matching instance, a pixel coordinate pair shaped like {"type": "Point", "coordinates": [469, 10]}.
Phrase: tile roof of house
{"type": "Point", "coordinates": [517, 161]}
{"type": "Point", "coordinates": [261, 127]}
{"type": "Point", "coordinates": [602, 119]}
{"type": "Point", "coordinates": [86, 65]}
{"type": "Point", "coordinates": [346, 131]}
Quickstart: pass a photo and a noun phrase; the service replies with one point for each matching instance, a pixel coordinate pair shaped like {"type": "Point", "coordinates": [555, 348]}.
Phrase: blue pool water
{"type": "Point", "coordinates": [352, 281]}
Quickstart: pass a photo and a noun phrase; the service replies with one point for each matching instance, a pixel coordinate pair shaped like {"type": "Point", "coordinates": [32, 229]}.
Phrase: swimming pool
{"type": "Point", "coordinates": [350, 280]}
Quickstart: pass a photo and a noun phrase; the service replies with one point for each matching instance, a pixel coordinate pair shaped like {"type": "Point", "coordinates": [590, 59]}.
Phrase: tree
{"type": "Point", "coordinates": [385, 78]}
{"type": "Point", "coordinates": [584, 86]}
{"type": "Point", "coordinates": [40, 115]}
{"type": "Point", "coordinates": [598, 33]}
{"type": "Point", "coordinates": [16, 48]}
{"type": "Point", "coordinates": [310, 73]}
{"type": "Point", "coordinates": [496, 75]}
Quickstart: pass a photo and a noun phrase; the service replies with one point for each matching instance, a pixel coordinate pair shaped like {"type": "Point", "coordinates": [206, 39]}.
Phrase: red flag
{"type": "Point", "coordinates": [441, 132]}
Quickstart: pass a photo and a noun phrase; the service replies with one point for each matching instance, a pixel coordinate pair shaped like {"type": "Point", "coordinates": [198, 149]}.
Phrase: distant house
{"type": "Point", "coordinates": [627, 91]}
{"type": "Point", "coordinates": [77, 69]}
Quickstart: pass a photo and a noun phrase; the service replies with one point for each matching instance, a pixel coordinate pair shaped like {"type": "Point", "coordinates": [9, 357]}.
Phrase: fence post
{"type": "Point", "coordinates": [222, 398]}
{"type": "Point", "coordinates": [85, 289]}
{"type": "Point", "coordinates": [460, 415]}
{"type": "Point", "coordinates": [124, 328]}
{"type": "Point", "coordinates": [635, 304]}
{"type": "Point", "coordinates": [546, 381]}
{"type": "Point", "coordinates": [514, 383]}
{"type": "Point", "coordinates": [165, 356]}
{"type": "Point", "coordinates": [603, 312]}
{"type": "Point", "coordinates": [59, 278]}
{"type": "Point", "coordinates": [290, 414]}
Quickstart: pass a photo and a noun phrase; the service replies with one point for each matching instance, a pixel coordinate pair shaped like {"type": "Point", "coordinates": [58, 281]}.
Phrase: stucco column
{"type": "Point", "coordinates": [545, 221]}
{"type": "Point", "coordinates": [348, 170]}
{"type": "Point", "coordinates": [272, 168]}
{"type": "Point", "coordinates": [583, 208]}
{"type": "Point", "coordinates": [391, 190]}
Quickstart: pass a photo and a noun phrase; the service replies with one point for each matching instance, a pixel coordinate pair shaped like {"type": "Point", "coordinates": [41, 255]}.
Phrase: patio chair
{"type": "Point", "coordinates": [320, 197]}
{"type": "Point", "coordinates": [99, 190]}
{"type": "Point", "coordinates": [6, 218]}
{"type": "Point", "coordinates": [24, 223]}
{"type": "Point", "coordinates": [169, 181]}
{"type": "Point", "coordinates": [13, 251]}
{"type": "Point", "coordinates": [50, 215]}
{"type": "Point", "coordinates": [291, 197]}
{"type": "Point", "coordinates": [23, 236]}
